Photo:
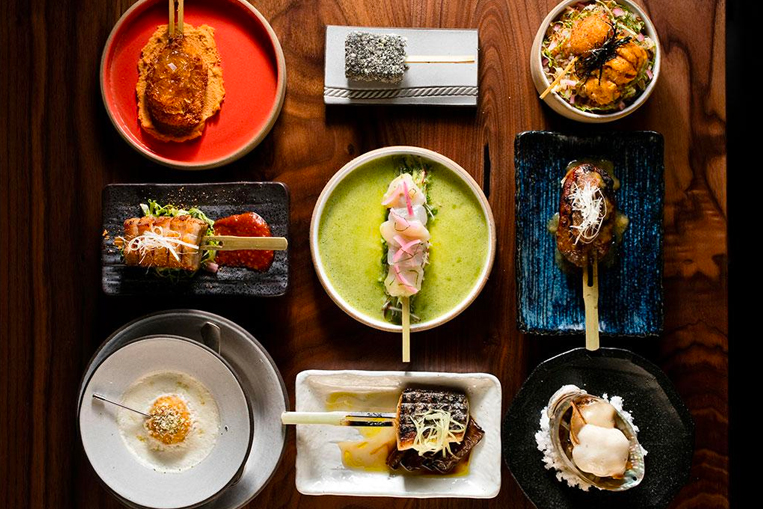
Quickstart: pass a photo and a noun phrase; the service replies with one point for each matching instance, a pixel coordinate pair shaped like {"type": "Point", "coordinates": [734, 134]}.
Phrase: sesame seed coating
{"type": "Point", "coordinates": [374, 57]}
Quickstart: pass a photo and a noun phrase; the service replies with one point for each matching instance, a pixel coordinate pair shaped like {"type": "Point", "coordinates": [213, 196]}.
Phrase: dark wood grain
{"type": "Point", "coordinates": [58, 149]}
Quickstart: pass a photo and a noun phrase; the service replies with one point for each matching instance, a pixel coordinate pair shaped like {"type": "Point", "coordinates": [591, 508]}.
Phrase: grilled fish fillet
{"type": "Point", "coordinates": [575, 249]}
{"type": "Point", "coordinates": [436, 462]}
{"type": "Point", "coordinates": [414, 403]}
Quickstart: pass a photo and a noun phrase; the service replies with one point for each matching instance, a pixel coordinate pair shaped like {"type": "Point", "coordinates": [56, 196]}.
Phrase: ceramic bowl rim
{"type": "Point", "coordinates": [377, 154]}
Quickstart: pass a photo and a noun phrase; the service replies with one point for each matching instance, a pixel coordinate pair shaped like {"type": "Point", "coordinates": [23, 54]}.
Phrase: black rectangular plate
{"type": "Point", "coordinates": [268, 199]}
{"type": "Point", "coordinates": [550, 301]}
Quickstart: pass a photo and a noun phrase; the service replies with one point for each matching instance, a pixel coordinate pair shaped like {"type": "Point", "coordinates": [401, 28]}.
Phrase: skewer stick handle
{"type": "Point", "coordinates": [440, 59]}
{"type": "Point", "coordinates": [235, 243]}
{"type": "Point", "coordinates": [559, 78]}
{"type": "Point", "coordinates": [340, 418]}
{"type": "Point", "coordinates": [181, 15]}
{"type": "Point", "coordinates": [171, 26]}
{"type": "Point", "coordinates": [406, 329]}
{"type": "Point", "coordinates": [591, 300]}
{"type": "Point", "coordinates": [330, 418]}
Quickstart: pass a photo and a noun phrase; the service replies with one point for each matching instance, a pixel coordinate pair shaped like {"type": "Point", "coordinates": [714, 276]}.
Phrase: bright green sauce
{"type": "Point", "coordinates": [350, 246]}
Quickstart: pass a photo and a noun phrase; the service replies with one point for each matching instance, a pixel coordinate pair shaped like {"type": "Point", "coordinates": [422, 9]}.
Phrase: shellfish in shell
{"type": "Point", "coordinates": [594, 440]}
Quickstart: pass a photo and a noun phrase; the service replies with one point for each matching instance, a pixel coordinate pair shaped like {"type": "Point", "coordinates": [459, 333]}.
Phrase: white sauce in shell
{"type": "Point", "coordinates": [602, 451]}
{"type": "Point", "coordinates": [152, 453]}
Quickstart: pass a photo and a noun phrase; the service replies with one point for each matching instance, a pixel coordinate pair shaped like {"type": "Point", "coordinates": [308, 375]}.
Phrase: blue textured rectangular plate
{"type": "Point", "coordinates": [268, 199]}
{"type": "Point", "coordinates": [549, 300]}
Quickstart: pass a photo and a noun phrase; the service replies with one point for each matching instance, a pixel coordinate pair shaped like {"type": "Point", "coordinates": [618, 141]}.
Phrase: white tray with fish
{"type": "Point", "coordinates": [367, 65]}
{"type": "Point", "coordinates": [353, 460]}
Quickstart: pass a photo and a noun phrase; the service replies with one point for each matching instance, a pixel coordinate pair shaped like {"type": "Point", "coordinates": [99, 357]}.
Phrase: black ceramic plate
{"type": "Point", "coordinates": [550, 300]}
{"type": "Point", "coordinates": [666, 429]}
{"type": "Point", "coordinates": [268, 199]}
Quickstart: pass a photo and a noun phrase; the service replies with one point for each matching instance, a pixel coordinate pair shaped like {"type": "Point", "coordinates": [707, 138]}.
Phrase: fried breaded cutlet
{"type": "Point", "coordinates": [176, 86]}
{"type": "Point", "coordinates": [180, 83]}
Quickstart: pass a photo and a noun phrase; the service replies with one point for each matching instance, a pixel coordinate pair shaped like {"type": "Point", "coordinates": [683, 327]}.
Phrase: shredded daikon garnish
{"type": "Point", "coordinates": [434, 432]}
{"type": "Point", "coordinates": [589, 202]}
{"type": "Point", "coordinates": [157, 238]}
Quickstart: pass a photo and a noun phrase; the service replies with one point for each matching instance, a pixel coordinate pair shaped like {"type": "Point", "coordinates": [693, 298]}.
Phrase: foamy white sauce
{"type": "Point", "coordinates": [149, 451]}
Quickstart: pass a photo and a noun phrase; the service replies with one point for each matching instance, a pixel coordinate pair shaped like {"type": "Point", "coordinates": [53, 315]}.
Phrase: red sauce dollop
{"type": "Point", "coordinates": [248, 224]}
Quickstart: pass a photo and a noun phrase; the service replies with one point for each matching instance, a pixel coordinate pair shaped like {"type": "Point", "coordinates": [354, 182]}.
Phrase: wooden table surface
{"type": "Point", "coordinates": [58, 149]}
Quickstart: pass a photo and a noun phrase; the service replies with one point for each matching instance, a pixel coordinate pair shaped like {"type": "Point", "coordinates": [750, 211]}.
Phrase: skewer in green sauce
{"type": "Point", "coordinates": [350, 247]}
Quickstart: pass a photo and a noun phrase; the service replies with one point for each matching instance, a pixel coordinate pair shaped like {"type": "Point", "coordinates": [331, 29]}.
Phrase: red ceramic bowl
{"type": "Point", "coordinates": [254, 73]}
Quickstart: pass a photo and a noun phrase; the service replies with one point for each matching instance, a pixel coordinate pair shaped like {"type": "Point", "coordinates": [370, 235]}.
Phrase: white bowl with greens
{"type": "Point", "coordinates": [349, 253]}
{"type": "Point", "coordinates": [601, 56]}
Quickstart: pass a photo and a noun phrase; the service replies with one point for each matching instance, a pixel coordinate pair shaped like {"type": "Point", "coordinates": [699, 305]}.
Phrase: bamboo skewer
{"type": "Point", "coordinates": [222, 243]}
{"type": "Point", "coordinates": [591, 300]}
{"type": "Point", "coordinates": [559, 78]}
{"type": "Point", "coordinates": [171, 25]}
{"type": "Point", "coordinates": [101, 398]}
{"type": "Point", "coordinates": [406, 305]}
{"type": "Point", "coordinates": [234, 243]}
{"type": "Point", "coordinates": [180, 18]}
{"type": "Point", "coordinates": [355, 419]}
{"type": "Point", "coordinates": [440, 59]}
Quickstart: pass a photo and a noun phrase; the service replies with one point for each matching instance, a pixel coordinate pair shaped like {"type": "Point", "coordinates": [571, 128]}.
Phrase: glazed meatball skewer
{"type": "Point", "coordinates": [586, 233]}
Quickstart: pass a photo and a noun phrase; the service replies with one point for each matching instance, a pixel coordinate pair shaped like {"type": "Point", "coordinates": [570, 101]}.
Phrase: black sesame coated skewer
{"type": "Point", "coordinates": [383, 57]}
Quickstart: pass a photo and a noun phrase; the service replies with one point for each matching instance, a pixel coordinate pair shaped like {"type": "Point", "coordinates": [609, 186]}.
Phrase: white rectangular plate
{"type": "Point", "coordinates": [445, 84]}
{"type": "Point", "coordinates": [319, 463]}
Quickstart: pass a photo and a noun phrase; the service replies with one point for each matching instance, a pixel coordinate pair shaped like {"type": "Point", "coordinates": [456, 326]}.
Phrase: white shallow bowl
{"type": "Point", "coordinates": [118, 467]}
{"type": "Point", "coordinates": [564, 108]}
{"type": "Point", "coordinates": [357, 163]}
{"type": "Point", "coordinates": [319, 463]}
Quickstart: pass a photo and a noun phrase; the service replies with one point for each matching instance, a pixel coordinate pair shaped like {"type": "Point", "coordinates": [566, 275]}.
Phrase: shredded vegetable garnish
{"type": "Point", "coordinates": [407, 199]}
{"type": "Point", "coordinates": [589, 202]}
{"type": "Point", "coordinates": [434, 432]}
{"type": "Point", "coordinates": [158, 238]}
{"type": "Point", "coordinates": [390, 308]}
